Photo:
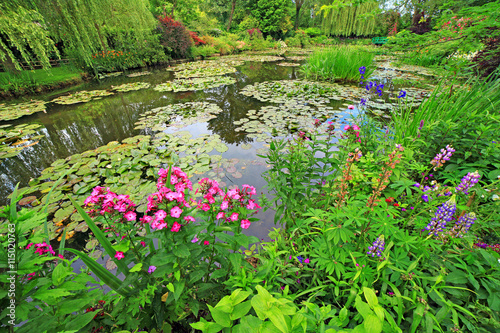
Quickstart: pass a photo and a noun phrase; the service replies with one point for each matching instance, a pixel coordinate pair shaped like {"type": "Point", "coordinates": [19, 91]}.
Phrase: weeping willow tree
{"type": "Point", "coordinates": [24, 37]}
{"type": "Point", "coordinates": [343, 18]}
{"type": "Point", "coordinates": [84, 27]}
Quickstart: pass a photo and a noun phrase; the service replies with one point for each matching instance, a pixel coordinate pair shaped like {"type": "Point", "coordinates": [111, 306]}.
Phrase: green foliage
{"type": "Point", "coordinates": [334, 205]}
{"type": "Point", "coordinates": [272, 16]}
{"type": "Point", "coordinates": [24, 30]}
{"type": "Point", "coordinates": [313, 31]}
{"type": "Point", "coordinates": [203, 51]}
{"type": "Point", "coordinates": [339, 63]}
{"type": "Point", "coordinates": [348, 19]}
{"type": "Point", "coordinates": [300, 39]}
{"type": "Point", "coordinates": [47, 294]}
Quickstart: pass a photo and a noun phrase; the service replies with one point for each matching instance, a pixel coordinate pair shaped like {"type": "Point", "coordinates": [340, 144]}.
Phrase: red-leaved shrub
{"type": "Point", "coordinates": [174, 37]}
{"type": "Point", "coordinates": [197, 40]}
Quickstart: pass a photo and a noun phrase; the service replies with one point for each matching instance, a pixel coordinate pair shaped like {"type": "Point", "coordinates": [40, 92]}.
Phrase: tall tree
{"type": "Point", "coordinates": [345, 18]}
{"type": "Point", "coordinates": [23, 36]}
{"type": "Point", "coordinates": [298, 7]}
{"type": "Point", "coordinates": [272, 14]}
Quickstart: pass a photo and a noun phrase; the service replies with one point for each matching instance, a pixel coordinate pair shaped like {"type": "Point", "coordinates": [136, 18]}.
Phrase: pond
{"type": "Point", "coordinates": [211, 117]}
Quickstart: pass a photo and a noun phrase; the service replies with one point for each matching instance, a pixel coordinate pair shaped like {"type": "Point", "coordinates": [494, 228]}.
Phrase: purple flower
{"type": "Point", "coordinates": [151, 269]}
{"type": "Point", "coordinates": [443, 214]}
{"type": "Point", "coordinates": [300, 259]}
{"type": "Point", "coordinates": [362, 70]}
{"type": "Point", "coordinates": [363, 101]}
{"type": "Point", "coordinates": [421, 124]}
{"type": "Point", "coordinates": [377, 247]}
{"type": "Point", "coordinates": [402, 94]}
{"type": "Point", "coordinates": [468, 181]}
{"type": "Point", "coordinates": [463, 225]}
{"type": "Point", "coordinates": [441, 158]}
{"type": "Point", "coordinates": [425, 197]}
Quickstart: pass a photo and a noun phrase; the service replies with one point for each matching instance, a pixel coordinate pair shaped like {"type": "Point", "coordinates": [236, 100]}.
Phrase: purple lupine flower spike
{"type": "Point", "coordinates": [377, 247]}
{"type": "Point", "coordinates": [463, 225]}
{"type": "Point", "coordinates": [443, 214]}
{"type": "Point", "coordinates": [468, 181]}
{"type": "Point", "coordinates": [442, 157]}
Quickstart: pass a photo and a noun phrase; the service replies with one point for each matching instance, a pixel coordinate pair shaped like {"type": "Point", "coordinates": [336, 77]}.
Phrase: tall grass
{"type": "Point", "coordinates": [458, 103]}
{"type": "Point", "coordinates": [339, 64]}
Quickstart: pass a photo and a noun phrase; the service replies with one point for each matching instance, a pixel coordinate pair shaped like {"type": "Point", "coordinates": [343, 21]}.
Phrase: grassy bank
{"type": "Point", "coordinates": [36, 81]}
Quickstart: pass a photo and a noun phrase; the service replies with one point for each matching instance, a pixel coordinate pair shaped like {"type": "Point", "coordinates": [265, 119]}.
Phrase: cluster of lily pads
{"type": "Point", "coordinates": [289, 64]}
{"type": "Point", "coordinates": [139, 74]}
{"type": "Point", "coordinates": [195, 83]}
{"type": "Point", "coordinates": [127, 167]}
{"type": "Point", "coordinates": [81, 96]}
{"type": "Point", "coordinates": [113, 74]}
{"type": "Point", "coordinates": [14, 139]}
{"type": "Point", "coordinates": [18, 110]}
{"type": "Point", "coordinates": [131, 86]}
{"type": "Point", "coordinates": [177, 115]}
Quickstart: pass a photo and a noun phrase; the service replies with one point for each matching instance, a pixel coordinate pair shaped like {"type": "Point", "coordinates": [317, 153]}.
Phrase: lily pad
{"type": "Point", "coordinates": [131, 86]}
{"type": "Point", "coordinates": [195, 84]}
{"type": "Point", "coordinates": [18, 110]}
{"type": "Point", "coordinates": [139, 74]}
{"type": "Point", "coordinates": [81, 96]}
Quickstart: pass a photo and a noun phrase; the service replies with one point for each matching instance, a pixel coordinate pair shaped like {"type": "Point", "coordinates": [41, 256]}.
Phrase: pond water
{"type": "Point", "coordinates": [235, 121]}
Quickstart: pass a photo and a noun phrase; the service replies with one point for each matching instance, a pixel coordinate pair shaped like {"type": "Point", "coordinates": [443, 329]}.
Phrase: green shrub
{"type": "Point", "coordinates": [313, 31]}
{"type": "Point", "coordinates": [339, 63]}
{"type": "Point", "coordinates": [203, 51]}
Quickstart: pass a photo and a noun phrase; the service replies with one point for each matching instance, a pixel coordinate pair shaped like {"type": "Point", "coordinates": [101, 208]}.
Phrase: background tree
{"type": "Point", "coordinates": [23, 36]}
{"type": "Point", "coordinates": [273, 16]}
{"type": "Point", "coordinates": [345, 18]}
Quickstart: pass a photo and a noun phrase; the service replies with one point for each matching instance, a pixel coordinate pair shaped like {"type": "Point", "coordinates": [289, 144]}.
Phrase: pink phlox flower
{"type": "Point", "coordinates": [206, 243]}
{"type": "Point", "coordinates": [119, 255]}
{"type": "Point", "coordinates": [146, 219]}
{"type": "Point", "coordinates": [176, 227]}
{"type": "Point", "coordinates": [209, 198]}
{"type": "Point", "coordinates": [173, 179]}
{"type": "Point", "coordinates": [163, 173]}
{"type": "Point", "coordinates": [176, 212]}
{"type": "Point", "coordinates": [205, 207]}
{"type": "Point", "coordinates": [234, 216]}
{"type": "Point", "coordinates": [245, 224]}
{"type": "Point", "coordinates": [171, 196]}
{"type": "Point", "coordinates": [160, 214]}
{"type": "Point", "coordinates": [220, 215]}
{"type": "Point", "coordinates": [347, 127]}
{"type": "Point", "coordinates": [189, 218]}
{"type": "Point", "coordinates": [224, 205]}
{"type": "Point", "coordinates": [355, 127]}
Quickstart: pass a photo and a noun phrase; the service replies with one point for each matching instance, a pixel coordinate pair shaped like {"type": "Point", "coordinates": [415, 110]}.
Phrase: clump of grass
{"type": "Point", "coordinates": [339, 64]}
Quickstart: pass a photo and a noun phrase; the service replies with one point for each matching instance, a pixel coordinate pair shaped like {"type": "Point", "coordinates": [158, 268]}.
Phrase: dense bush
{"type": "Point", "coordinates": [175, 38]}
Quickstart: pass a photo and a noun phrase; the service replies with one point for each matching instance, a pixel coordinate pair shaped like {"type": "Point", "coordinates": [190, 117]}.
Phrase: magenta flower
{"type": "Point", "coordinates": [160, 215]}
{"type": "Point", "coordinates": [347, 127]}
{"type": "Point", "coordinates": [151, 269]}
{"type": "Point", "coordinates": [234, 216]}
{"type": "Point", "coordinates": [176, 212]}
{"type": "Point", "coordinates": [220, 215]}
{"type": "Point", "coordinates": [224, 205]}
{"type": "Point", "coordinates": [143, 243]}
{"type": "Point", "coordinates": [206, 243]}
{"type": "Point", "coordinates": [195, 239]}
{"type": "Point", "coordinates": [245, 224]}
{"type": "Point", "coordinates": [351, 107]}
{"type": "Point", "coordinates": [189, 218]}
{"type": "Point", "coordinates": [130, 216]}
{"type": "Point", "coordinates": [119, 255]}
{"type": "Point", "coordinates": [176, 227]}
{"type": "Point", "coordinates": [306, 260]}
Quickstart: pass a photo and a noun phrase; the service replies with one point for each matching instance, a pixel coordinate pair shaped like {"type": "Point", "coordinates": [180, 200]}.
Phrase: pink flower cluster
{"type": "Point", "coordinates": [41, 249]}
{"type": "Point", "coordinates": [354, 129]}
{"type": "Point", "coordinates": [232, 199]}
{"type": "Point", "coordinates": [167, 202]}
{"type": "Point", "coordinates": [103, 201]}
